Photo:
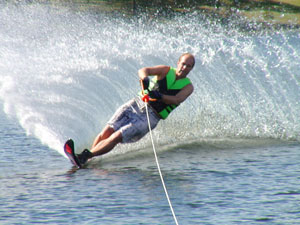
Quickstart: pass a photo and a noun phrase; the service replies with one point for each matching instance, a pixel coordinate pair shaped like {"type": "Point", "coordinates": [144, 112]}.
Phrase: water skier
{"type": "Point", "coordinates": [166, 90]}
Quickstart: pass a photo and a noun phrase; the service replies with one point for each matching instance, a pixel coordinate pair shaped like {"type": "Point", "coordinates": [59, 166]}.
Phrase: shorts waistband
{"type": "Point", "coordinates": [141, 105]}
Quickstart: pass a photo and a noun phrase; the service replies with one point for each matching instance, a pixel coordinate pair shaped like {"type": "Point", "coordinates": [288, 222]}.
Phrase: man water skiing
{"type": "Point", "coordinates": [166, 90]}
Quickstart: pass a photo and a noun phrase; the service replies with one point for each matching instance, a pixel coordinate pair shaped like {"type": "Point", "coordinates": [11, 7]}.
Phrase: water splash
{"type": "Point", "coordinates": [63, 74]}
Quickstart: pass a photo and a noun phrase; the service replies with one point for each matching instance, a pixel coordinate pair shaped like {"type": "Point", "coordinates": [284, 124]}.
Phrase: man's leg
{"type": "Point", "coordinates": [103, 143]}
{"type": "Point", "coordinates": [105, 133]}
{"type": "Point", "coordinates": [107, 144]}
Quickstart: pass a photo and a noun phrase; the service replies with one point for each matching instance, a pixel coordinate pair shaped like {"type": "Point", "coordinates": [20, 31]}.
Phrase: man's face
{"type": "Point", "coordinates": [184, 65]}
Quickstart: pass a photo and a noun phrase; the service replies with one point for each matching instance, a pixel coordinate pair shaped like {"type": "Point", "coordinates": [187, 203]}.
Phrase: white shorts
{"type": "Point", "coordinates": [131, 120]}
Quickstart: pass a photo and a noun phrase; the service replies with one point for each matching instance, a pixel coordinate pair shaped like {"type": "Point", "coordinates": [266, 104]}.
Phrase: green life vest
{"type": "Point", "coordinates": [167, 86]}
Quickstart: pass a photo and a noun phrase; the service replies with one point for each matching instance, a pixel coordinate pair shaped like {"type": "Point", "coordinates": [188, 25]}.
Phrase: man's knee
{"type": "Point", "coordinates": [106, 132]}
{"type": "Point", "coordinates": [116, 137]}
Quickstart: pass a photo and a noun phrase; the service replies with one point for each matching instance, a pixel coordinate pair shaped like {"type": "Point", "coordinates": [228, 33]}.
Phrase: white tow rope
{"type": "Point", "coordinates": [158, 167]}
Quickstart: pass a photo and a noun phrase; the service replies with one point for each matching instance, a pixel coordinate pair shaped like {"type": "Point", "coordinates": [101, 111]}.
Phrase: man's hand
{"type": "Point", "coordinates": [145, 83]}
{"type": "Point", "coordinates": [155, 95]}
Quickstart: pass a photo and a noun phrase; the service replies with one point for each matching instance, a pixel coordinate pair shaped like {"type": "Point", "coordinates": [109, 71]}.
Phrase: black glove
{"type": "Point", "coordinates": [145, 83]}
{"type": "Point", "coordinates": [155, 95]}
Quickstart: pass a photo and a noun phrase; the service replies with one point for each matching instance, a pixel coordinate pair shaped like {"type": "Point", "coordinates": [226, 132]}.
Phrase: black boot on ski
{"type": "Point", "coordinates": [84, 156]}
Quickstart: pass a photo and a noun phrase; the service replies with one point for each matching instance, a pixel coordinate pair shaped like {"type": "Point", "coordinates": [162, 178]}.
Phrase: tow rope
{"type": "Point", "coordinates": [146, 99]}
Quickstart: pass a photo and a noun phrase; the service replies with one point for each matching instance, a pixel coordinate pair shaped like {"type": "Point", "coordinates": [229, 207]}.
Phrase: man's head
{"type": "Point", "coordinates": [185, 64]}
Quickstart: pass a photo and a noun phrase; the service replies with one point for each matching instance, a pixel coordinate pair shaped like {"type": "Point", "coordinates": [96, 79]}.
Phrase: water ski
{"type": "Point", "coordinates": [69, 151]}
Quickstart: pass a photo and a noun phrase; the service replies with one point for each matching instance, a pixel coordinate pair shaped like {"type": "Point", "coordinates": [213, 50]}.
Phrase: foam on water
{"type": "Point", "coordinates": [64, 73]}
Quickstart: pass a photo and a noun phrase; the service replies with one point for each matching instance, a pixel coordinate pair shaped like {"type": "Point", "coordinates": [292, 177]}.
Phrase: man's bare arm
{"type": "Point", "coordinates": [159, 71]}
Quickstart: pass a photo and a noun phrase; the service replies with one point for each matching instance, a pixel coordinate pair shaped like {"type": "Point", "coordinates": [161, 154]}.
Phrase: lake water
{"type": "Point", "coordinates": [229, 154]}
